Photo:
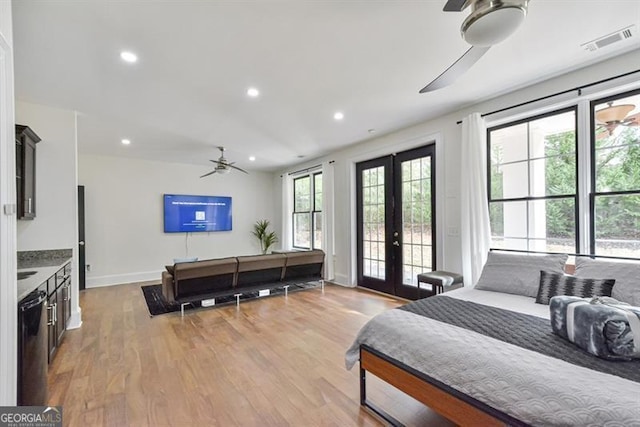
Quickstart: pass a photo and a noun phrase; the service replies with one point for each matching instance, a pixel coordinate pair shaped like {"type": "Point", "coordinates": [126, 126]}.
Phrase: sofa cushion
{"type": "Point", "coordinates": [260, 262]}
{"type": "Point", "coordinates": [304, 265]}
{"type": "Point", "coordinates": [258, 269]}
{"type": "Point", "coordinates": [315, 256]}
{"type": "Point", "coordinates": [205, 268]}
{"type": "Point", "coordinates": [188, 259]}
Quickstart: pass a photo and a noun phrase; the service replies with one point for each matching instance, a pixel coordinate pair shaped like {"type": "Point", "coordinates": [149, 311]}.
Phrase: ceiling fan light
{"type": "Point", "coordinates": [491, 24]}
{"type": "Point", "coordinates": [614, 113]}
{"type": "Point", "coordinates": [223, 170]}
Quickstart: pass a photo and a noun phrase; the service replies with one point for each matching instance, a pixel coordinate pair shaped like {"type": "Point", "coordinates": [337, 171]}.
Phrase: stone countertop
{"type": "Point", "coordinates": [44, 268]}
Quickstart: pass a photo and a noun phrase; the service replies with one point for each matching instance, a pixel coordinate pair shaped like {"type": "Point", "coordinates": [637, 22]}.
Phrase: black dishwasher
{"type": "Point", "coordinates": [32, 349]}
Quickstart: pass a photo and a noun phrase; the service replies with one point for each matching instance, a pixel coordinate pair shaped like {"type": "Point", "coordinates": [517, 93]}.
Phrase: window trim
{"type": "Point", "coordinates": [592, 169]}
{"type": "Point", "coordinates": [576, 197]}
{"type": "Point", "coordinates": [311, 175]}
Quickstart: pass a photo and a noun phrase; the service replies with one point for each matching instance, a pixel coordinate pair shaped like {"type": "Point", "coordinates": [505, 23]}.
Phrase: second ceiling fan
{"type": "Point", "coordinates": [489, 23]}
{"type": "Point", "coordinates": [223, 165]}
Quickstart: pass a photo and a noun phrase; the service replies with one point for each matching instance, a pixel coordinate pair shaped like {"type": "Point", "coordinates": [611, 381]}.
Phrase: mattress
{"type": "Point", "coordinates": [523, 383]}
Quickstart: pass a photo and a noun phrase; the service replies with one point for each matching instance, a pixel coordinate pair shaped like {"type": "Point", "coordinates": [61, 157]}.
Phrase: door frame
{"type": "Point", "coordinates": [387, 149]}
{"type": "Point", "coordinates": [393, 281]}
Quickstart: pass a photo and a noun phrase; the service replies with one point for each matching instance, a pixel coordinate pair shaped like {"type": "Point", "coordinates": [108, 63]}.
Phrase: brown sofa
{"type": "Point", "coordinates": [200, 280]}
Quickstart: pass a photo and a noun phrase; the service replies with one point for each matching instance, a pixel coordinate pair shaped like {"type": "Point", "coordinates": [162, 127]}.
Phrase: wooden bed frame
{"type": "Point", "coordinates": [448, 402]}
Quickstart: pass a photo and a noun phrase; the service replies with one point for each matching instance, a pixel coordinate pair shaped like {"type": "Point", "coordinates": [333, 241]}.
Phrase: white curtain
{"type": "Point", "coordinates": [328, 219]}
{"type": "Point", "coordinates": [287, 211]}
{"type": "Point", "coordinates": [474, 231]}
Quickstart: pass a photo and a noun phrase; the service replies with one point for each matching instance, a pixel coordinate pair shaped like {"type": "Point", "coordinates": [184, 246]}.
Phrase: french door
{"type": "Point", "coordinates": [396, 221]}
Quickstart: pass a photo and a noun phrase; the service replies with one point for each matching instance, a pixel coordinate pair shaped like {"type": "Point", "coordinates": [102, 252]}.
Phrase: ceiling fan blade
{"type": "Point", "coordinates": [457, 69]}
{"type": "Point", "coordinates": [237, 168]}
{"type": "Point", "coordinates": [455, 5]}
{"type": "Point", "coordinates": [210, 173]}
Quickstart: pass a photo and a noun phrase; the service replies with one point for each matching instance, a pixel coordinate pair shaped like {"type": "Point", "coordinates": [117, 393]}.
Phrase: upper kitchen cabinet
{"type": "Point", "coordinates": [26, 140]}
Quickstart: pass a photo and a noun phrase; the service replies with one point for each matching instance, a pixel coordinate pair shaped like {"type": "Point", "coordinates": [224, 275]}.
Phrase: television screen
{"type": "Point", "coordinates": [184, 213]}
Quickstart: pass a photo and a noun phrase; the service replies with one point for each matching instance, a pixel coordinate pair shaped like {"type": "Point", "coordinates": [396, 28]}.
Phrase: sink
{"type": "Point", "coordinates": [25, 274]}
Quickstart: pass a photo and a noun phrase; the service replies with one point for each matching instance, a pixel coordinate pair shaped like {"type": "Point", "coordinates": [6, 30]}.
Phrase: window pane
{"type": "Point", "coordinates": [509, 144]}
{"type": "Point", "coordinates": [514, 180]}
{"type": "Point", "coordinates": [373, 210]}
{"type": "Point", "coordinates": [552, 225]}
{"type": "Point", "coordinates": [553, 176]}
{"type": "Point", "coordinates": [513, 219]}
{"type": "Point", "coordinates": [553, 135]}
{"type": "Point", "coordinates": [618, 161]}
{"type": "Point", "coordinates": [617, 225]}
{"type": "Point", "coordinates": [301, 230]}
{"type": "Point", "coordinates": [543, 165]}
{"type": "Point", "coordinates": [317, 230]}
{"type": "Point", "coordinates": [301, 194]}
{"type": "Point", "coordinates": [317, 188]}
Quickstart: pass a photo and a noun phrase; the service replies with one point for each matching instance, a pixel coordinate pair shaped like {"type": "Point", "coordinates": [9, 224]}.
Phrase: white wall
{"type": "Point", "coordinates": [8, 281]}
{"type": "Point", "coordinates": [448, 134]}
{"type": "Point", "coordinates": [56, 223]}
{"type": "Point", "coordinates": [125, 241]}
{"type": "Point", "coordinates": [55, 226]}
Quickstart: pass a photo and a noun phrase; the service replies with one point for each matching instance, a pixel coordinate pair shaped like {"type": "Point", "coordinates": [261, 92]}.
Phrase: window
{"type": "Point", "coordinates": [533, 183]}
{"type": "Point", "coordinates": [615, 176]}
{"type": "Point", "coordinates": [307, 211]}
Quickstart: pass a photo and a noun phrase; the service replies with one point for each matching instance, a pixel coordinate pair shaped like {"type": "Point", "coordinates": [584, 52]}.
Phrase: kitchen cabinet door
{"type": "Point", "coordinates": [26, 140]}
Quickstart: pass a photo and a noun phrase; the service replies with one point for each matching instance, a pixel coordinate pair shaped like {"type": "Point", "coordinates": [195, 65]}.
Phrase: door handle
{"type": "Point", "coordinates": [50, 321]}
{"type": "Point", "coordinates": [81, 242]}
{"type": "Point", "coordinates": [396, 243]}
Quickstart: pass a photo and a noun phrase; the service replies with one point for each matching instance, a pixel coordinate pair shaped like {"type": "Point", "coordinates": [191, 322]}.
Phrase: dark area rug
{"type": "Point", "coordinates": [157, 304]}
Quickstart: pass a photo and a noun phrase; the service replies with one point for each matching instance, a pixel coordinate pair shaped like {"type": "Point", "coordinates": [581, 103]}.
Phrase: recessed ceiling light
{"type": "Point", "coordinates": [252, 158]}
{"type": "Point", "coordinates": [126, 142]}
{"type": "Point", "coordinates": [129, 57]}
{"type": "Point", "coordinates": [253, 92]}
{"type": "Point", "coordinates": [371, 131]}
{"type": "Point", "coordinates": [338, 115]}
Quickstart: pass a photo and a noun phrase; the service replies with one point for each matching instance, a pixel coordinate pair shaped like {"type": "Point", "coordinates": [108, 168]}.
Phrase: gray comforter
{"type": "Point", "coordinates": [603, 327]}
{"type": "Point", "coordinates": [535, 388]}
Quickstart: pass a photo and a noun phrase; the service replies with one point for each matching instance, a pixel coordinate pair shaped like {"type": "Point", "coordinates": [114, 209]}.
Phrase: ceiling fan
{"type": "Point", "coordinates": [489, 23]}
{"type": "Point", "coordinates": [613, 116]}
{"type": "Point", "coordinates": [223, 165]}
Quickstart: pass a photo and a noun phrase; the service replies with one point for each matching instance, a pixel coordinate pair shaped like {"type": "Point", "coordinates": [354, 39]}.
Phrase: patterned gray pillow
{"type": "Point", "coordinates": [553, 284]}
{"type": "Point", "coordinates": [518, 273]}
{"type": "Point", "coordinates": [626, 274]}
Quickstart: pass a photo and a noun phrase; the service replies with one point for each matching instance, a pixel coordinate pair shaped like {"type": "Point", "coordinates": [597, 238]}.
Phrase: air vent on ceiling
{"type": "Point", "coordinates": [604, 41]}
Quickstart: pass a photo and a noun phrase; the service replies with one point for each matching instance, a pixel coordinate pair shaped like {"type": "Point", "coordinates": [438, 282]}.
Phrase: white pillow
{"type": "Point", "coordinates": [626, 274]}
{"type": "Point", "coordinates": [518, 274]}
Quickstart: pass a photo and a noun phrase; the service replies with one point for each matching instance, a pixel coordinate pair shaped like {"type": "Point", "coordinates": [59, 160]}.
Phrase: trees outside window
{"type": "Point", "coordinates": [615, 166]}
{"type": "Point", "coordinates": [533, 182]}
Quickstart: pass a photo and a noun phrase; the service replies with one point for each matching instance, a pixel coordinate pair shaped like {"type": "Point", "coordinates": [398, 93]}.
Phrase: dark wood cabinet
{"type": "Point", "coordinates": [26, 140]}
{"type": "Point", "coordinates": [59, 289]}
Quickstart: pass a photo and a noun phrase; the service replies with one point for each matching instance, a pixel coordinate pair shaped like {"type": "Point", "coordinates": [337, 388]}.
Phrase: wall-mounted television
{"type": "Point", "coordinates": [186, 213]}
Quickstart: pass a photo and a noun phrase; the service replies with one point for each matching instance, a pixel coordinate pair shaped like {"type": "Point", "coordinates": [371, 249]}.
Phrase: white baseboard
{"type": "Point", "coordinates": [76, 319]}
{"type": "Point", "coordinates": [120, 279]}
{"type": "Point", "coordinates": [342, 280]}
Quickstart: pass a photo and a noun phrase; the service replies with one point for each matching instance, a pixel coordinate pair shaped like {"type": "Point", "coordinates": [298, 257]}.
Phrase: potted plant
{"type": "Point", "coordinates": [265, 237]}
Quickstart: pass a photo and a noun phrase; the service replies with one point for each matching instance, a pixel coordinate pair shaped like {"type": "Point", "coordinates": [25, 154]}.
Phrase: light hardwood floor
{"type": "Point", "coordinates": [273, 362]}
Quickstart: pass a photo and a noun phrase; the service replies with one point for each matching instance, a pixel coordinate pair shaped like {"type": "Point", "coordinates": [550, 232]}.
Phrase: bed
{"type": "Point", "coordinates": [486, 357]}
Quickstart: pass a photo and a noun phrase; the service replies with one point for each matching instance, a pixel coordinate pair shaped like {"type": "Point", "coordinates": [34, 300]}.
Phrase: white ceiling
{"type": "Point", "coordinates": [187, 92]}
